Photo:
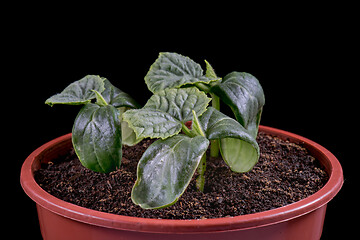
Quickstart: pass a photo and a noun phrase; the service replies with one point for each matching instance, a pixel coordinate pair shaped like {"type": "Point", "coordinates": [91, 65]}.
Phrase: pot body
{"type": "Point", "coordinates": [61, 220]}
{"type": "Point", "coordinates": [56, 227]}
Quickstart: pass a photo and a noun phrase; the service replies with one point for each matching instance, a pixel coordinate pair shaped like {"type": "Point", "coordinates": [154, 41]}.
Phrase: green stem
{"type": "Point", "coordinates": [200, 180]}
{"type": "Point", "coordinates": [215, 101]}
{"type": "Point", "coordinates": [203, 87]}
{"type": "Point", "coordinates": [187, 131]}
{"type": "Point", "coordinates": [214, 147]}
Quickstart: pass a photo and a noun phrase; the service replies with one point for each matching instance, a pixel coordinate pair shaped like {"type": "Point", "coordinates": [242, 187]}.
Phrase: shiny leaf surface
{"type": "Point", "coordinates": [244, 94]}
{"type": "Point", "coordinates": [116, 97]}
{"type": "Point", "coordinates": [79, 92]}
{"type": "Point", "coordinates": [165, 170]}
{"type": "Point", "coordinates": [96, 137]}
{"type": "Point", "coordinates": [238, 147]}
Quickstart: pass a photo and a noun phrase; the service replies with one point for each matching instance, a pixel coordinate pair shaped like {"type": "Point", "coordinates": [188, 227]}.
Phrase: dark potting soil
{"type": "Point", "coordinates": [285, 173]}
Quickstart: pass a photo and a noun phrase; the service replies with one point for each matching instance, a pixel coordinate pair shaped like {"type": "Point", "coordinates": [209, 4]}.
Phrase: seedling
{"type": "Point", "coordinates": [181, 93]}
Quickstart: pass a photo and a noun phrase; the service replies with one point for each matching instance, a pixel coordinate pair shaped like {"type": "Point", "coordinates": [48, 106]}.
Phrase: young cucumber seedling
{"type": "Point", "coordinates": [181, 93]}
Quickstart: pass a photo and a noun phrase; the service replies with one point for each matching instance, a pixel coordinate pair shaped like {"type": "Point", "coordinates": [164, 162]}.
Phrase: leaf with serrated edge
{"type": "Point", "coordinates": [179, 103]}
{"type": "Point", "coordinates": [238, 147]}
{"type": "Point", "coordinates": [163, 114]}
{"type": "Point", "coordinates": [210, 73]}
{"type": "Point", "coordinates": [165, 170]}
{"type": "Point", "coordinates": [172, 70]}
{"type": "Point", "coordinates": [78, 92]}
{"type": "Point", "coordinates": [152, 123]}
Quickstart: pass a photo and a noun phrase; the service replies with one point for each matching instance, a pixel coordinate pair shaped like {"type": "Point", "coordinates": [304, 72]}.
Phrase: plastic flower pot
{"type": "Point", "coordinates": [300, 220]}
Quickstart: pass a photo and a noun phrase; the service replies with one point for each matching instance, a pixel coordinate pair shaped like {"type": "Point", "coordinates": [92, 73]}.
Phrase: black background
{"type": "Point", "coordinates": [305, 67]}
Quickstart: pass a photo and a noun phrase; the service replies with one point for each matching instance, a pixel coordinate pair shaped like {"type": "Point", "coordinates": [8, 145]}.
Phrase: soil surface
{"type": "Point", "coordinates": [285, 173]}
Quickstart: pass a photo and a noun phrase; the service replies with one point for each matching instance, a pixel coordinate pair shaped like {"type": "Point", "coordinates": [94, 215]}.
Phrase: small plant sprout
{"type": "Point", "coordinates": [181, 93]}
{"type": "Point", "coordinates": [98, 132]}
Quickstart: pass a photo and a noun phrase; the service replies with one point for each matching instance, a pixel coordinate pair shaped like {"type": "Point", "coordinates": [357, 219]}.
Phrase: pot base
{"type": "Point", "coordinates": [55, 227]}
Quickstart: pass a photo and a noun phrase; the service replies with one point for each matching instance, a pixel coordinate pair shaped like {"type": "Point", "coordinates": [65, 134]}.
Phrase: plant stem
{"type": "Point", "coordinates": [187, 131]}
{"type": "Point", "coordinates": [215, 101]}
{"type": "Point", "coordinates": [214, 148]}
{"type": "Point", "coordinates": [200, 180]}
{"type": "Point", "coordinates": [203, 87]}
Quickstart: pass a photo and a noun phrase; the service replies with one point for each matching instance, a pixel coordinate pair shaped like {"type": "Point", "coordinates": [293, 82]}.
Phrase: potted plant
{"type": "Point", "coordinates": [178, 116]}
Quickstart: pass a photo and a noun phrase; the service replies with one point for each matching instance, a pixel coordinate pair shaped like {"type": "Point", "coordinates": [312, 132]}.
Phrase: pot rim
{"type": "Point", "coordinates": [108, 220]}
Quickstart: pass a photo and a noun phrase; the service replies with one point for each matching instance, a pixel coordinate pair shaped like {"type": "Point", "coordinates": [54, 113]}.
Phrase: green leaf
{"type": "Point", "coordinates": [96, 137]}
{"type": "Point", "coordinates": [244, 94]}
{"type": "Point", "coordinates": [165, 170]}
{"type": "Point", "coordinates": [99, 99]}
{"type": "Point", "coordinates": [127, 133]}
{"type": "Point", "coordinates": [116, 97]}
{"type": "Point", "coordinates": [79, 92]}
{"type": "Point", "coordinates": [166, 111]}
{"type": "Point", "coordinates": [172, 70]}
{"type": "Point", "coordinates": [240, 155]}
{"type": "Point", "coordinates": [179, 103]}
{"type": "Point", "coordinates": [210, 73]}
{"type": "Point", "coordinates": [196, 128]}
{"type": "Point", "coordinates": [238, 147]}
{"type": "Point", "coordinates": [152, 123]}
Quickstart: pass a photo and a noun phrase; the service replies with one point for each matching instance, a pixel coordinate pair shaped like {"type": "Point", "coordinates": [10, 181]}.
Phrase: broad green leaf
{"type": "Point", "coordinates": [240, 155]}
{"type": "Point", "coordinates": [179, 103]}
{"type": "Point", "coordinates": [79, 92]}
{"type": "Point", "coordinates": [152, 123]}
{"type": "Point", "coordinates": [121, 101]}
{"type": "Point", "coordinates": [96, 137]}
{"type": "Point", "coordinates": [166, 111]}
{"type": "Point", "coordinates": [116, 97]}
{"type": "Point", "coordinates": [238, 147]}
{"type": "Point", "coordinates": [244, 94]}
{"type": "Point", "coordinates": [165, 170]}
{"type": "Point", "coordinates": [127, 133]}
{"type": "Point", "coordinates": [172, 70]}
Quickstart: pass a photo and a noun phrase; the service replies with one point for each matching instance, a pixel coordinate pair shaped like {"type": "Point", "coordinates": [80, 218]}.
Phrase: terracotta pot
{"type": "Point", "coordinates": [61, 220]}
